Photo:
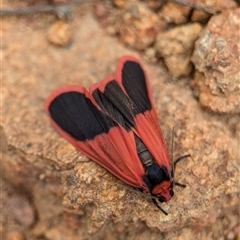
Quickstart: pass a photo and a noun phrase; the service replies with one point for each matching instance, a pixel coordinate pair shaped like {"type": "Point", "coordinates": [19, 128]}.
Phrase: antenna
{"type": "Point", "coordinates": [173, 163]}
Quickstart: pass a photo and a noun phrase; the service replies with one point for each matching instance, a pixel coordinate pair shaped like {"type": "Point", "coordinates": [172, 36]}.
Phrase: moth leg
{"type": "Point", "coordinates": [154, 200]}
{"type": "Point", "coordinates": [180, 184]}
{"type": "Point", "coordinates": [174, 166]}
{"type": "Point", "coordinates": [180, 158]}
{"type": "Point", "coordinates": [138, 189]}
{"type": "Point", "coordinates": [158, 206]}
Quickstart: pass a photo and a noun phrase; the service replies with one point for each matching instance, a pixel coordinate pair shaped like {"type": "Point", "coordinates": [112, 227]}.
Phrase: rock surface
{"type": "Point", "coordinates": [137, 26]}
{"type": "Point", "coordinates": [176, 46]}
{"type": "Point", "coordinates": [67, 196]}
{"type": "Point", "coordinates": [60, 33]}
{"type": "Point", "coordinates": [216, 59]}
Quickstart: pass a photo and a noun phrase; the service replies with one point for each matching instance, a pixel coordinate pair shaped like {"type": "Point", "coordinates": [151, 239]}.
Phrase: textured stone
{"type": "Point", "coordinates": [101, 11]}
{"type": "Point", "coordinates": [176, 45]}
{"type": "Point", "coordinates": [216, 4]}
{"type": "Point", "coordinates": [175, 13]}
{"type": "Point", "coordinates": [74, 198]}
{"type": "Point", "coordinates": [19, 209]}
{"type": "Point", "coordinates": [14, 235]}
{"type": "Point", "coordinates": [60, 33]}
{"type": "Point", "coordinates": [138, 26]}
{"type": "Point", "coordinates": [200, 16]}
{"type": "Point", "coordinates": [123, 3]}
{"type": "Point", "coordinates": [216, 59]}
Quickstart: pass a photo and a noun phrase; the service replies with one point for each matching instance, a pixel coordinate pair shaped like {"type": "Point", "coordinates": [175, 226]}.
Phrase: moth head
{"type": "Point", "coordinates": [163, 191]}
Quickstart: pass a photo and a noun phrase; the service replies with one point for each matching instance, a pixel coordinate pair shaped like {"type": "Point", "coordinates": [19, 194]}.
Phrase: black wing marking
{"type": "Point", "coordinates": [115, 102]}
{"type": "Point", "coordinates": [78, 116]}
{"type": "Point", "coordinates": [134, 82]}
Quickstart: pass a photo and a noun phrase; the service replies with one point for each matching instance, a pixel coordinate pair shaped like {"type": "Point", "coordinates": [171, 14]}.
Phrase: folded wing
{"type": "Point", "coordinates": [76, 117]}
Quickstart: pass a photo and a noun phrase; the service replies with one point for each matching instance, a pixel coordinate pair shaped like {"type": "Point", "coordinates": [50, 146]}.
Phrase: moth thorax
{"type": "Point", "coordinates": [144, 155]}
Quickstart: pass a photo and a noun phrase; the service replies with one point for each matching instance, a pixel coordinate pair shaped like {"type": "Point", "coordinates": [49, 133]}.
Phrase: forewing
{"type": "Point", "coordinates": [137, 86]}
{"type": "Point", "coordinates": [132, 105]}
{"type": "Point", "coordinates": [78, 118]}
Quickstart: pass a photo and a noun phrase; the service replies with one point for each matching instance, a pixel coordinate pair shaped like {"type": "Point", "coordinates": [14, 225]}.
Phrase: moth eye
{"type": "Point", "coordinates": [161, 199]}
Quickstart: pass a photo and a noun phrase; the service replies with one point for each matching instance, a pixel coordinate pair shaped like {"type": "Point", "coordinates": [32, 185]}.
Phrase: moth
{"type": "Point", "coordinates": [115, 124]}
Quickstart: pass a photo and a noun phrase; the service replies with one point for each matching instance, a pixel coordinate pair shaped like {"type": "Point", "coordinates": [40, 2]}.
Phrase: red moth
{"type": "Point", "coordinates": [116, 125]}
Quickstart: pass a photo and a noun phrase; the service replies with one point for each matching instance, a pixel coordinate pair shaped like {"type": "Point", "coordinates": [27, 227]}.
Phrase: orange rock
{"type": "Point", "coordinates": [60, 33]}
